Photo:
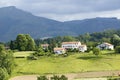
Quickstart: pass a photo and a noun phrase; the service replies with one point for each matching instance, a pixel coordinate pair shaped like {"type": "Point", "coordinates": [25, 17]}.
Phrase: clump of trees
{"type": "Point", "coordinates": [23, 42]}
{"type": "Point", "coordinates": [6, 63]}
{"type": "Point", "coordinates": [55, 77]}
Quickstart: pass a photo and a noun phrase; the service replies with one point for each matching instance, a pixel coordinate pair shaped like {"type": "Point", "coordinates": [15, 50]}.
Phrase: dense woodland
{"type": "Point", "coordinates": [92, 40]}
{"type": "Point", "coordinates": [24, 42]}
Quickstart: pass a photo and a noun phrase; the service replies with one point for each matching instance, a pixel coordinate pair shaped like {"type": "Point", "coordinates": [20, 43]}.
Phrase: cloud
{"type": "Point", "coordinates": [80, 16]}
{"type": "Point", "coordinates": [67, 9]}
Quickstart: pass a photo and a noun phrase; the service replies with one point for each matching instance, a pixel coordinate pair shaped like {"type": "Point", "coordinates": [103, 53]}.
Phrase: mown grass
{"type": "Point", "coordinates": [79, 62]}
{"type": "Point", "coordinates": [22, 53]}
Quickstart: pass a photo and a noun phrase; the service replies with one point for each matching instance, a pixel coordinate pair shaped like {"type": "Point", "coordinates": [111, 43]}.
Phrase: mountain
{"type": "Point", "coordinates": [14, 21]}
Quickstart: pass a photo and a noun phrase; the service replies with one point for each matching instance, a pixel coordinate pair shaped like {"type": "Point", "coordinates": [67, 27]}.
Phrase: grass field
{"type": "Point", "coordinates": [22, 53]}
{"type": "Point", "coordinates": [79, 62]}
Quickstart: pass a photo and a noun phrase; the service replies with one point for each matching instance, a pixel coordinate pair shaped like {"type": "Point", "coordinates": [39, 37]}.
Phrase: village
{"type": "Point", "coordinates": [78, 46]}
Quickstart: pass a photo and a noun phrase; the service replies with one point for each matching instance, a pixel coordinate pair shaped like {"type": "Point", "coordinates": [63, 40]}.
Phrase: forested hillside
{"type": "Point", "coordinates": [14, 21]}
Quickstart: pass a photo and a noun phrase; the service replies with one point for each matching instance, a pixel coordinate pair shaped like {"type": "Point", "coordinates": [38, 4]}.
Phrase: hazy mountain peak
{"type": "Point", "coordinates": [14, 21]}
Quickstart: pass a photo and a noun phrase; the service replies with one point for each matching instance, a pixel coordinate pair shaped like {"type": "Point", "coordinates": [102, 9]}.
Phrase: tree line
{"type": "Point", "coordinates": [25, 42]}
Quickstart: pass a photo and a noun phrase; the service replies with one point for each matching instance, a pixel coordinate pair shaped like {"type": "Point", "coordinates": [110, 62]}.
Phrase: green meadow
{"type": "Point", "coordinates": [74, 63]}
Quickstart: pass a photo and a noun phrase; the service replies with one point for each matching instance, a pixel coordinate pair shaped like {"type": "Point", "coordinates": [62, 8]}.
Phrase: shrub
{"type": "Point", "coordinates": [117, 49]}
{"type": "Point", "coordinates": [96, 51]}
{"type": "Point", "coordinates": [55, 77]}
{"type": "Point", "coordinates": [63, 77]}
{"type": "Point", "coordinates": [42, 78]}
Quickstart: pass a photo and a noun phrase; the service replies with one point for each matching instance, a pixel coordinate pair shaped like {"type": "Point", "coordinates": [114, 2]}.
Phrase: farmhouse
{"type": "Point", "coordinates": [106, 46]}
{"type": "Point", "coordinates": [82, 48]}
{"type": "Point", "coordinates": [44, 46]}
{"type": "Point", "coordinates": [59, 50]}
{"type": "Point", "coordinates": [71, 45]}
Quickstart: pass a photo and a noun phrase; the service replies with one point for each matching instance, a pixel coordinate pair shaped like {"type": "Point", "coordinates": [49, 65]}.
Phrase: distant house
{"type": "Point", "coordinates": [106, 46]}
{"type": "Point", "coordinates": [82, 48]}
{"type": "Point", "coordinates": [71, 45]}
{"type": "Point", "coordinates": [44, 46]}
{"type": "Point", "coordinates": [59, 50]}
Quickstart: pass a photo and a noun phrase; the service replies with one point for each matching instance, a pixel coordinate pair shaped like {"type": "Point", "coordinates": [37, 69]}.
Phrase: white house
{"type": "Point", "coordinates": [44, 46]}
{"type": "Point", "coordinates": [71, 45]}
{"type": "Point", "coordinates": [106, 46]}
{"type": "Point", "coordinates": [59, 50]}
{"type": "Point", "coordinates": [82, 48]}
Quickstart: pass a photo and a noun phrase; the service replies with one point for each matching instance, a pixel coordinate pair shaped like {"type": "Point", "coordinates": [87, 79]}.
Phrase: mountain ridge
{"type": "Point", "coordinates": [15, 21]}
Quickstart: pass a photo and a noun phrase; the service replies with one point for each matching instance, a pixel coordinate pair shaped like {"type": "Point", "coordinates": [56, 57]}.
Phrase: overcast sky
{"type": "Point", "coordinates": [64, 10]}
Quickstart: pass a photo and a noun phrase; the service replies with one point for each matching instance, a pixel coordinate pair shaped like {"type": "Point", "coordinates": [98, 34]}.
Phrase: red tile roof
{"type": "Point", "coordinates": [55, 49]}
{"type": "Point", "coordinates": [70, 42]}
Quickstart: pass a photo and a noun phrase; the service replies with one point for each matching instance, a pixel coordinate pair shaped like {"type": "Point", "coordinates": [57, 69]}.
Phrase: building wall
{"type": "Point", "coordinates": [105, 46]}
{"type": "Point", "coordinates": [71, 46]}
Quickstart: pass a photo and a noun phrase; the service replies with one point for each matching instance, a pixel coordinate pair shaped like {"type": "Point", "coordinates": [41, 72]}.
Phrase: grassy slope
{"type": "Point", "coordinates": [70, 64]}
{"type": "Point", "coordinates": [22, 53]}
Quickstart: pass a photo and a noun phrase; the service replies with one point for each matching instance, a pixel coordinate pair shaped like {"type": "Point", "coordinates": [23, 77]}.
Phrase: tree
{"type": "Point", "coordinates": [6, 63]}
{"type": "Point", "coordinates": [117, 49]}
{"type": "Point", "coordinates": [24, 43]}
{"type": "Point", "coordinates": [39, 52]}
{"type": "Point", "coordinates": [21, 42]}
{"type": "Point", "coordinates": [30, 43]}
{"type": "Point", "coordinates": [3, 74]}
{"type": "Point", "coordinates": [115, 40]}
{"type": "Point", "coordinates": [96, 51]}
{"type": "Point", "coordinates": [68, 38]}
{"type": "Point", "coordinates": [13, 45]}
{"type": "Point", "coordinates": [2, 48]}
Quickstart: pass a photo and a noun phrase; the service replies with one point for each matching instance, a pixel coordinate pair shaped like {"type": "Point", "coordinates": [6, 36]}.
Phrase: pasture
{"type": "Point", "coordinates": [74, 63]}
{"type": "Point", "coordinates": [22, 54]}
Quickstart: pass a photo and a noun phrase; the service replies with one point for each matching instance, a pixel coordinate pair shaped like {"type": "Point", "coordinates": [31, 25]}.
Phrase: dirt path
{"type": "Point", "coordinates": [72, 76]}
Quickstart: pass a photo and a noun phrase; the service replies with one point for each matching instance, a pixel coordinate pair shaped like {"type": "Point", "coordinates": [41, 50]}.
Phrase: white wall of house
{"type": "Point", "coordinates": [83, 48]}
{"type": "Point", "coordinates": [71, 45]}
{"type": "Point", "coordinates": [106, 46]}
{"type": "Point", "coordinates": [59, 50]}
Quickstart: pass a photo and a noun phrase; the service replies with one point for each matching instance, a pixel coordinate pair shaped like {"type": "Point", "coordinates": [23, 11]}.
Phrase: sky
{"type": "Point", "coordinates": [66, 10]}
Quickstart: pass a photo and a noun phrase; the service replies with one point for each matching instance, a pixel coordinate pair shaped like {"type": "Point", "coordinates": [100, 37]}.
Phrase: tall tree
{"type": "Point", "coordinates": [115, 40]}
{"type": "Point", "coordinates": [30, 43]}
{"type": "Point", "coordinates": [13, 45]}
{"type": "Point", "coordinates": [21, 42]}
{"type": "Point", "coordinates": [25, 42]}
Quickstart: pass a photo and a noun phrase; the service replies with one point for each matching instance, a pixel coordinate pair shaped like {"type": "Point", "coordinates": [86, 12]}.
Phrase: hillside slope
{"type": "Point", "coordinates": [14, 21]}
